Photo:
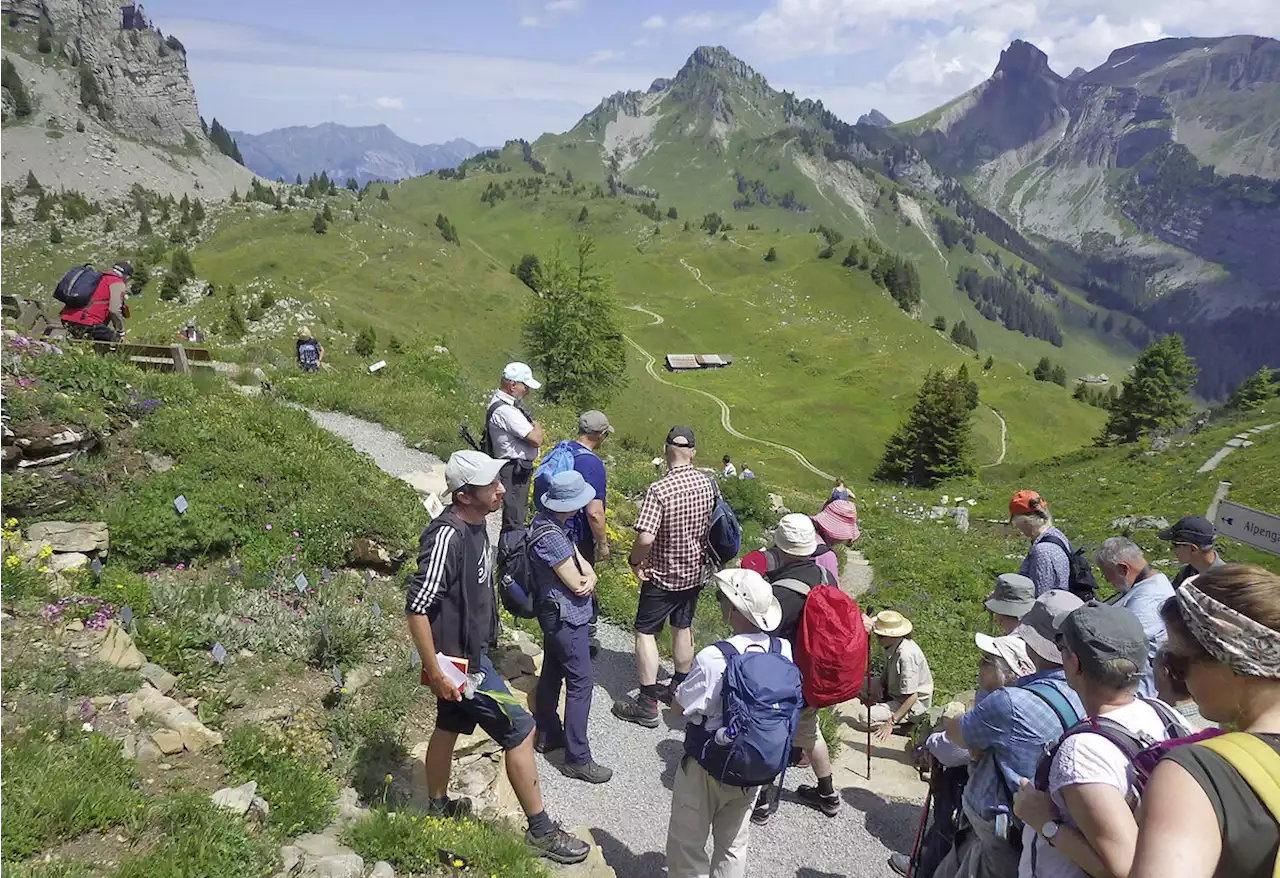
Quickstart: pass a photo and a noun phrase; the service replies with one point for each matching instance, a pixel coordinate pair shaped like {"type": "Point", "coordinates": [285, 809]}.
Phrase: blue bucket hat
{"type": "Point", "coordinates": [568, 492]}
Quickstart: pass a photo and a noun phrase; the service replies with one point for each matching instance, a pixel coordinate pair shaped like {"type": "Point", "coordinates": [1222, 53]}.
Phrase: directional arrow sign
{"type": "Point", "coordinates": [1250, 526]}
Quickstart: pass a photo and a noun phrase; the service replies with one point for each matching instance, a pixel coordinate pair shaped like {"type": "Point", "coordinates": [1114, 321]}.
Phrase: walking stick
{"type": "Point", "coordinates": [867, 683]}
{"type": "Point", "coordinates": [924, 817]}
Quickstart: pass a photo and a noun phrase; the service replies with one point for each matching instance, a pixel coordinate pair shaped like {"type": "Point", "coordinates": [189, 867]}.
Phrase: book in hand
{"type": "Point", "coordinates": [453, 668]}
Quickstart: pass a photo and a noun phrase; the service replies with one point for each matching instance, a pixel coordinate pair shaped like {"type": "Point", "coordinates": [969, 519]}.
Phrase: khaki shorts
{"type": "Point", "coordinates": [807, 728]}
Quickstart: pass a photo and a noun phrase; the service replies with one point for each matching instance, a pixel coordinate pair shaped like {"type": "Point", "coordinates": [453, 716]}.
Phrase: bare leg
{"type": "Point", "coordinates": [682, 649]}
{"type": "Point", "coordinates": [819, 758]}
{"type": "Point", "coordinates": [647, 659]}
{"type": "Point", "coordinates": [523, 775]}
{"type": "Point", "coordinates": [440, 762]}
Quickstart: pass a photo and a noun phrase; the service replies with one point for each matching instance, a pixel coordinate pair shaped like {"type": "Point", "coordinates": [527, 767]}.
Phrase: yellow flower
{"type": "Point", "coordinates": [12, 561]}
{"type": "Point", "coordinates": [11, 523]}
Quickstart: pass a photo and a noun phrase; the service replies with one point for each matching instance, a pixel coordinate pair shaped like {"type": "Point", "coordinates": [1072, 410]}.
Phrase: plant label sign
{"type": "Point", "coordinates": [381, 364]}
{"type": "Point", "coordinates": [126, 616]}
{"type": "Point", "coordinates": [219, 653]}
{"type": "Point", "coordinates": [377, 611]}
{"type": "Point", "coordinates": [1250, 526]}
{"type": "Point", "coordinates": [180, 503]}
{"type": "Point", "coordinates": [300, 582]}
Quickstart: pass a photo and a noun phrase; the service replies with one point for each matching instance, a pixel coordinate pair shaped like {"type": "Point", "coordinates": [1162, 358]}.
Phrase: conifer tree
{"type": "Point", "coordinates": [935, 442]}
{"type": "Point", "coordinates": [582, 214]}
{"type": "Point", "coordinates": [772, 255]}
{"type": "Point", "coordinates": [1255, 391]}
{"type": "Point", "coordinates": [383, 196]}
{"type": "Point", "coordinates": [197, 211]}
{"type": "Point", "coordinates": [327, 213]}
{"type": "Point", "coordinates": [18, 91]}
{"type": "Point", "coordinates": [319, 225]}
{"type": "Point", "coordinates": [55, 235]}
{"type": "Point", "coordinates": [144, 224]}
{"type": "Point", "coordinates": [8, 220]}
{"type": "Point", "coordinates": [1153, 397]}
{"type": "Point", "coordinates": [32, 186]}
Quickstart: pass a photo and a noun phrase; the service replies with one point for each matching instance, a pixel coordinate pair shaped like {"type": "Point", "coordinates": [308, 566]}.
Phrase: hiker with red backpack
{"type": "Point", "coordinates": [1212, 809]}
{"type": "Point", "coordinates": [1079, 812]}
{"type": "Point", "coordinates": [742, 699]}
{"type": "Point", "coordinates": [829, 643]}
{"type": "Point", "coordinates": [93, 303]}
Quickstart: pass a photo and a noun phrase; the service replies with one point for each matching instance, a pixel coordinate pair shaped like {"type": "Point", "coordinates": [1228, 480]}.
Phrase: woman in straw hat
{"type": "Point", "coordinates": [905, 690]}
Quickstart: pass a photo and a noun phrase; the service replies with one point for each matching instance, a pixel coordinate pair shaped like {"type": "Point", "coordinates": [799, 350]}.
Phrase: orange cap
{"type": "Point", "coordinates": [1024, 502]}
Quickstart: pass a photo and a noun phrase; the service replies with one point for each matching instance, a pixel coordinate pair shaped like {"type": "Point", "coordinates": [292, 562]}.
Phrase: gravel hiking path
{"type": "Point", "coordinates": [628, 816]}
{"type": "Point", "coordinates": [1004, 432]}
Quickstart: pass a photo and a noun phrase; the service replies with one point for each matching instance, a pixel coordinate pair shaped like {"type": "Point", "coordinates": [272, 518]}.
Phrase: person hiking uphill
{"type": "Point", "coordinates": [310, 351]}
{"type": "Point", "coordinates": [513, 436]}
{"type": "Point", "coordinates": [102, 318]}
{"type": "Point", "coordinates": [450, 607]}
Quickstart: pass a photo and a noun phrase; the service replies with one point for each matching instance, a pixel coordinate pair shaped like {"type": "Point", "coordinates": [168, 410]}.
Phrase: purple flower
{"type": "Point", "coordinates": [296, 534]}
{"type": "Point", "coordinates": [268, 527]}
{"type": "Point", "coordinates": [180, 567]}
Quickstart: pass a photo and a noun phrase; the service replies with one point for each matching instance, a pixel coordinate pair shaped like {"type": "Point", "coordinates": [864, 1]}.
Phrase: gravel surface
{"type": "Point", "coordinates": [386, 448]}
{"type": "Point", "coordinates": [628, 816]}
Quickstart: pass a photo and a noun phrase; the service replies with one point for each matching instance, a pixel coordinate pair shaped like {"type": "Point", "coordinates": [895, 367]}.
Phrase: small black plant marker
{"type": "Point", "coordinates": [180, 504]}
{"type": "Point", "coordinates": [219, 653]}
{"type": "Point", "coordinates": [324, 574]}
{"type": "Point", "coordinates": [96, 567]}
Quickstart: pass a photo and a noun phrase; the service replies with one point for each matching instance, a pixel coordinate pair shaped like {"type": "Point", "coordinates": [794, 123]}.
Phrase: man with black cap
{"type": "Point", "coordinates": [1083, 824]}
{"type": "Point", "coordinates": [1192, 538]}
{"type": "Point", "coordinates": [1011, 599]}
{"type": "Point", "coordinates": [102, 317]}
{"type": "Point", "coordinates": [669, 559]}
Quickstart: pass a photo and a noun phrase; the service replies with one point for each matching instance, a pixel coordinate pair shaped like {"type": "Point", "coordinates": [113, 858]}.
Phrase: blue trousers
{"type": "Point", "coordinates": [566, 658]}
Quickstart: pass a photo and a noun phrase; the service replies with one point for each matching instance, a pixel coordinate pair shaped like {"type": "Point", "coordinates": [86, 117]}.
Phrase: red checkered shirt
{"type": "Point", "coordinates": [677, 511]}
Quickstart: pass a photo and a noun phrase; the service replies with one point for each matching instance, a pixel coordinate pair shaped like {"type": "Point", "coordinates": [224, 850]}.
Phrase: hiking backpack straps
{"type": "Point", "coordinates": [76, 289]}
{"type": "Point", "coordinates": [1057, 702]}
{"type": "Point", "coordinates": [761, 702]}
{"type": "Point", "coordinates": [1130, 743]}
{"type": "Point", "coordinates": [1259, 765]}
{"type": "Point", "coordinates": [1080, 578]}
{"type": "Point", "coordinates": [486, 438]}
{"type": "Point", "coordinates": [516, 587]}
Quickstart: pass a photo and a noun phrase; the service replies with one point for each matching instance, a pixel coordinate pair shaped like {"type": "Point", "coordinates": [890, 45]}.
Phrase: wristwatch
{"type": "Point", "coordinates": [1050, 830]}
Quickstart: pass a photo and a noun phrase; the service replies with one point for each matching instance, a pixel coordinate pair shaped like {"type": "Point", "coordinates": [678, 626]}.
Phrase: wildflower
{"type": "Point", "coordinates": [268, 527]}
{"type": "Point", "coordinates": [296, 534]}
{"type": "Point", "coordinates": [180, 567]}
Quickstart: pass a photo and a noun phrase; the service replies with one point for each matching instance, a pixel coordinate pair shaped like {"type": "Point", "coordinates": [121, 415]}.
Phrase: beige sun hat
{"type": "Point", "coordinates": [891, 623]}
{"type": "Point", "coordinates": [751, 595]}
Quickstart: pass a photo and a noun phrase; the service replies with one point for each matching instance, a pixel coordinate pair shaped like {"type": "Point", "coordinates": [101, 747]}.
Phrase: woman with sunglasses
{"type": "Point", "coordinates": [1200, 817]}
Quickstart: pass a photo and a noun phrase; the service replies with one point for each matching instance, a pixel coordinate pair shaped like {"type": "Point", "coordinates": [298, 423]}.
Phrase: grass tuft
{"type": "Point", "coordinates": [412, 842]}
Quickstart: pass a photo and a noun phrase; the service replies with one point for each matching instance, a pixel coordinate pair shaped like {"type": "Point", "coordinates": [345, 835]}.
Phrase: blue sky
{"type": "Point", "coordinates": [490, 71]}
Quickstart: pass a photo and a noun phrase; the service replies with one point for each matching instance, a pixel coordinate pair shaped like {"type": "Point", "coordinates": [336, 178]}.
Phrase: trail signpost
{"type": "Point", "coordinates": [1250, 526]}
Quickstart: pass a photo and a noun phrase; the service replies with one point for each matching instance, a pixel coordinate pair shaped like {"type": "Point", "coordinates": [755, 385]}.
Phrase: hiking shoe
{"type": "Point", "coordinates": [558, 846]}
{"type": "Point", "coordinates": [766, 805]}
{"type": "Point", "coordinates": [591, 772]}
{"type": "Point", "coordinates": [548, 745]}
{"type": "Point", "coordinates": [829, 805]}
{"type": "Point", "coordinates": [798, 759]}
{"type": "Point", "coordinates": [640, 711]}
{"type": "Point", "coordinates": [593, 648]}
{"type": "Point", "coordinates": [667, 694]}
{"type": "Point", "coordinates": [900, 863]}
{"type": "Point", "coordinates": [451, 808]}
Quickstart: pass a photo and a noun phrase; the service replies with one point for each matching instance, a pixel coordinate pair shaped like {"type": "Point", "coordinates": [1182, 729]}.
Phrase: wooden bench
{"type": "Point", "coordinates": [162, 358]}
{"type": "Point", "coordinates": [25, 316]}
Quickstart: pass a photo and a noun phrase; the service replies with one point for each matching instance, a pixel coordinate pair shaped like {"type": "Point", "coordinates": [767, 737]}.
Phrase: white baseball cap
{"type": "Point", "coordinates": [522, 373]}
{"type": "Point", "coordinates": [470, 468]}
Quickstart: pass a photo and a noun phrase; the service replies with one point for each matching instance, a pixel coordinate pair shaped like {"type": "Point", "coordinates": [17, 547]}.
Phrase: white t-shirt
{"type": "Point", "coordinates": [1087, 759]}
{"type": "Point", "coordinates": [510, 426]}
{"type": "Point", "coordinates": [729, 471]}
{"type": "Point", "coordinates": [699, 694]}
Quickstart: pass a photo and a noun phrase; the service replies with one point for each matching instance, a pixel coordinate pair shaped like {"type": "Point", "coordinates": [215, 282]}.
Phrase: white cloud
{"type": "Point", "coordinates": [653, 22]}
{"type": "Point", "coordinates": [564, 6]}
{"type": "Point", "coordinates": [599, 56]}
{"type": "Point", "coordinates": [702, 21]}
{"type": "Point", "coordinates": [529, 21]}
{"type": "Point", "coordinates": [385, 103]}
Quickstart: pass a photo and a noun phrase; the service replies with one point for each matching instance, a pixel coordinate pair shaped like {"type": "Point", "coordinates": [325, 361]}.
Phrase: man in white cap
{"type": "Point", "coordinates": [451, 609]}
{"type": "Point", "coordinates": [699, 802]}
{"type": "Point", "coordinates": [514, 437]}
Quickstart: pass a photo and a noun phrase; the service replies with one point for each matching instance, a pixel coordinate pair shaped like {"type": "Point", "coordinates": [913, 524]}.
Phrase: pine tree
{"type": "Point", "coordinates": [961, 334]}
{"type": "Point", "coordinates": [970, 386]}
{"type": "Point", "coordinates": [1042, 369]}
{"type": "Point", "coordinates": [940, 323]}
{"type": "Point", "coordinates": [225, 143]}
{"type": "Point", "coordinates": [44, 40]}
{"type": "Point", "coordinates": [527, 271]}
{"type": "Point", "coordinates": [989, 364]}
{"type": "Point", "coordinates": [32, 186]}
{"type": "Point", "coordinates": [235, 196]}
{"type": "Point", "coordinates": [197, 211]}
{"type": "Point", "coordinates": [236, 327]}
{"type": "Point", "coordinates": [383, 196]}
{"type": "Point", "coordinates": [8, 220]}
{"type": "Point", "coordinates": [772, 255]}
{"type": "Point", "coordinates": [935, 442]}
{"type": "Point", "coordinates": [144, 224]}
{"type": "Point", "coordinates": [572, 332]}
{"type": "Point", "coordinates": [109, 224]}
{"type": "Point", "coordinates": [582, 214]}
{"type": "Point", "coordinates": [327, 213]}
{"type": "Point", "coordinates": [672, 214]}
{"type": "Point", "coordinates": [366, 342]}
{"type": "Point", "coordinates": [44, 208]}
{"type": "Point", "coordinates": [1153, 397]}
{"type": "Point", "coordinates": [319, 225]}
{"type": "Point", "coordinates": [17, 90]}
{"type": "Point", "coordinates": [851, 258]}
{"type": "Point", "coordinates": [352, 184]}
{"type": "Point", "coordinates": [1058, 375]}
{"type": "Point", "coordinates": [298, 180]}
{"type": "Point", "coordinates": [1255, 391]}
{"type": "Point", "coordinates": [55, 235]}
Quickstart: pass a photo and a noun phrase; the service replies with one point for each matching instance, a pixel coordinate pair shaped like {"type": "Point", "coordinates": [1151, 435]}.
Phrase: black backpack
{"type": "Point", "coordinates": [1080, 580]}
{"type": "Point", "coordinates": [75, 290]}
{"type": "Point", "coordinates": [516, 587]}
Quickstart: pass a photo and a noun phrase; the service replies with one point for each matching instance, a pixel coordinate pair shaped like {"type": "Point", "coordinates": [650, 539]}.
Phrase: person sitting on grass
{"type": "Point", "coordinates": [450, 608]}
{"type": "Point", "coordinates": [564, 583]}
{"type": "Point", "coordinates": [905, 690]}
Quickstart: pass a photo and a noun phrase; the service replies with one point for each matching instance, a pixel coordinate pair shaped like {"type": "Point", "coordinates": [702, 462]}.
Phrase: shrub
{"type": "Point", "coordinates": [295, 785]}
{"type": "Point", "coordinates": [366, 342]}
{"type": "Point", "coordinates": [749, 499]}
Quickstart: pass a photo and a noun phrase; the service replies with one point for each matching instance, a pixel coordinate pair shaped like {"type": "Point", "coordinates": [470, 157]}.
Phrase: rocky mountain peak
{"type": "Point", "coordinates": [717, 58]}
{"type": "Point", "coordinates": [1024, 60]}
{"type": "Point", "coordinates": [875, 118]}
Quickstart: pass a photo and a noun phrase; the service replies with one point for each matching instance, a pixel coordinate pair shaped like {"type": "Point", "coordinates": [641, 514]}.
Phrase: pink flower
{"type": "Point", "coordinates": [296, 534]}
{"type": "Point", "coordinates": [180, 567]}
{"type": "Point", "coordinates": [268, 527]}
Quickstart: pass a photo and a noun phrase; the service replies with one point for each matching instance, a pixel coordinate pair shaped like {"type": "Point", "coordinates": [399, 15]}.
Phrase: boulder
{"type": "Point", "coordinates": [236, 799]}
{"type": "Point", "coordinates": [357, 680]}
{"type": "Point", "coordinates": [70, 536]}
{"type": "Point", "coordinates": [168, 741]}
{"type": "Point", "coordinates": [118, 649]}
{"type": "Point", "coordinates": [68, 561]}
{"type": "Point", "coordinates": [338, 866]}
{"type": "Point", "coordinates": [1129, 523]}
{"type": "Point", "coordinates": [347, 807]}
{"type": "Point", "coordinates": [42, 441]}
{"type": "Point", "coordinates": [382, 869]}
{"type": "Point", "coordinates": [364, 552]}
{"type": "Point", "coordinates": [512, 662]}
{"type": "Point", "coordinates": [147, 751]}
{"type": "Point", "coordinates": [159, 463]}
{"type": "Point", "coordinates": [196, 736]}
{"type": "Point", "coordinates": [158, 677]}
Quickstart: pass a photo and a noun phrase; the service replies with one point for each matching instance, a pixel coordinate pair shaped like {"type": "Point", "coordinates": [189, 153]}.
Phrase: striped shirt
{"type": "Point", "coordinates": [440, 563]}
{"type": "Point", "coordinates": [677, 511]}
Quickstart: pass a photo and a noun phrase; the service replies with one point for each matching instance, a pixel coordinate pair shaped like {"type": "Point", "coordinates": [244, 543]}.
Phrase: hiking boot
{"type": "Point", "coordinates": [900, 863]}
{"type": "Point", "coordinates": [638, 710]}
{"type": "Point", "coordinates": [593, 648]}
{"type": "Point", "coordinates": [766, 805]}
{"type": "Point", "coordinates": [451, 808]}
{"type": "Point", "coordinates": [548, 745]}
{"type": "Point", "coordinates": [829, 805]}
{"type": "Point", "coordinates": [558, 846]}
{"type": "Point", "coordinates": [591, 772]}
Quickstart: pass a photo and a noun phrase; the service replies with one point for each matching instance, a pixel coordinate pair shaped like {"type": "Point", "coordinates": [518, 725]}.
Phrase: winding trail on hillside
{"type": "Point", "coordinates": [697, 275]}
{"type": "Point", "coordinates": [1004, 432]}
{"type": "Point", "coordinates": [364, 257]}
{"type": "Point", "coordinates": [725, 418]}
{"type": "Point", "coordinates": [657, 318]}
{"type": "Point", "coordinates": [627, 817]}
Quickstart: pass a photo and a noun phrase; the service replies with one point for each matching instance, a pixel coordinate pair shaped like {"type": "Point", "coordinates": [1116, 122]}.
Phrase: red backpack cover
{"type": "Point", "coordinates": [831, 647]}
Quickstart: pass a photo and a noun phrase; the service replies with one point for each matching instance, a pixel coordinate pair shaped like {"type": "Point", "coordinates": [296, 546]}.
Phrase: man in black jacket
{"type": "Point", "coordinates": [451, 608]}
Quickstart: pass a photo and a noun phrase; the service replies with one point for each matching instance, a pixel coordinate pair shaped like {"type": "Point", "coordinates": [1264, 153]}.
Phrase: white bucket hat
{"type": "Point", "coordinates": [751, 596]}
{"type": "Point", "coordinates": [796, 535]}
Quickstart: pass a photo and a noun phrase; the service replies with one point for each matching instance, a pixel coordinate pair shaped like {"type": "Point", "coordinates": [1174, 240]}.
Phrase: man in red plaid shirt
{"type": "Point", "coordinates": [669, 558]}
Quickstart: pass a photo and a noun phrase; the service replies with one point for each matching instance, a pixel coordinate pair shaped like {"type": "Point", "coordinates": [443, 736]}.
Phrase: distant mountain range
{"type": "Point", "coordinates": [372, 152]}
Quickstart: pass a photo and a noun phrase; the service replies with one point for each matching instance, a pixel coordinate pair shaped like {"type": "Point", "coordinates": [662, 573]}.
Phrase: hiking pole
{"type": "Point", "coordinates": [465, 435]}
{"type": "Point", "coordinates": [867, 683]}
{"type": "Point", "coordinates": [915, 848]}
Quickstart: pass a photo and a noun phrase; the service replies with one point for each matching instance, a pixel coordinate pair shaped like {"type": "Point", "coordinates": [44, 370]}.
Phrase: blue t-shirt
{"type": "Point", "coordinates": [591, 468]}
{"type": "Point", "coordinates": [550, 549]}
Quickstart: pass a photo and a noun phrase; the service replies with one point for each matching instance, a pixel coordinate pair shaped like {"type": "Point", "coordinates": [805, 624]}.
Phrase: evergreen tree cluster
{"type": "Point", "coordinates": [1096, 396]}
{"type": "Point", "coordinates": [572, 331]}
{"type": "Point", "coordinates": [650, 210]}
{"type": "Point", "coordinates": [447, 229]}
{"type": "Point", "coordinates": [17, 89]}
{"type": "Point", "coordinates": [1001, 300]}
{"type": "Point", "coordinates": [755, 192]}
{"type": "Point", "coordinates": [1048, 371]}
{"type": "Point", "coordinates": [617, 187]}
{"type": "Point", "coordinates": [952, 233]}
{"type": "Point", "coordinates": [1153, 396]}
{"type": "Point", "coordinates": [225, 143]}
{"type": "Point", "coordinates": [527, 270]}
{"type": "Point", "coordinates": [319, 185]}
{"type": "Point", "coordinates": [962, 334]}
{"type": "Point", "coordinates": [936, 440]}
{"type": "Point", "coordinates": [711, 223]}
{"type": "Point", "coordinates": [899, 276]}
{"type": "Point", "coordinates": [493, 193]}
{"type": "Point", "coordinates": [1257, 390]}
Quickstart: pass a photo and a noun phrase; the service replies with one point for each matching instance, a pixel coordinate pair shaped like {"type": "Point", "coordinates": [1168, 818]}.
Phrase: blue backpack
{"type": "Point", "coordinates": [558, 460]}
{"type": "Point", "coordinates": [761, 703]}
{"type": "Point", "coordinates": [77, 286]}
{"type": "Point", "coordinates": [724, 536]}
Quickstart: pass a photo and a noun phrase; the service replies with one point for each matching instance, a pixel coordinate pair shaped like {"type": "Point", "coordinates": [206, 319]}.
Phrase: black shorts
{"type": "Point", "coordinates": [658, 604]}
{"type": "Point", "coordinates": [508, 725]}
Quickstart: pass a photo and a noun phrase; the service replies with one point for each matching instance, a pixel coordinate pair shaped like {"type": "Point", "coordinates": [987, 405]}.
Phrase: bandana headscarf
{"type": "Point", "coordinates": [1246, 646]}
